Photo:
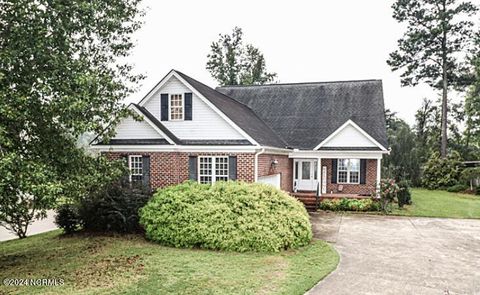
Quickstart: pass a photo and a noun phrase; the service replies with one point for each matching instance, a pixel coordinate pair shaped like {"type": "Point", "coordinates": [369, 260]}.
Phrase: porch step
{"type": "Point", "coordinates": [308, 199]}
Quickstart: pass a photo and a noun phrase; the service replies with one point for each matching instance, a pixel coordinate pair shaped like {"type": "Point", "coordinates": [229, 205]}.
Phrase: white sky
{"type": "Point", "coordinates": [302, 41]}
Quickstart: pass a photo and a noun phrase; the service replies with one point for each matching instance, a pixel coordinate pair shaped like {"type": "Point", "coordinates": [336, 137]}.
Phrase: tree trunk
{"type": "Point", "coordinates": [443, 149]}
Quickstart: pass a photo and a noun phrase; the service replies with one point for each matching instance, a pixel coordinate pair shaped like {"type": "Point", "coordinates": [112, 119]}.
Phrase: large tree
{"type": "Point", "coordinates": [472, 111]}
{"type": "Point", "coordinates": [402, 163]}
{"type": "Point", "coordinates": [435, 47]}
{"type": "Point", "coordinates": [231, 62]}
{"type": "Point", "coordinates": [62, 74]}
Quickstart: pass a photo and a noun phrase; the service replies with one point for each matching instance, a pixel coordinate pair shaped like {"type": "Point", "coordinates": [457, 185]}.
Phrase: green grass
{"type": "Point", "coordinates": [433, 203]}
{"type": "Point", "coordinates": [93, 264]}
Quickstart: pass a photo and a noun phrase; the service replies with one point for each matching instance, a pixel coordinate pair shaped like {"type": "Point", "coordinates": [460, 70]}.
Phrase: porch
{"type": "Point", "coordinates": [312, 201]}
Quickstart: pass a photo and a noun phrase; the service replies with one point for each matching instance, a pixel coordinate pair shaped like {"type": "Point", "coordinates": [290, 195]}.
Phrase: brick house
{"type": "Point", "coordinates": [324, 138]}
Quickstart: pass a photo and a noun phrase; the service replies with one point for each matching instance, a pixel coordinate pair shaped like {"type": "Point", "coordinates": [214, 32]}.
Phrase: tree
{"type": "Point", "coordinates": [62, 74]}
{"type": "Point", "coordinates": [402, 163]}
{"type": "Point", "coordinates": [472, 110]}
{"type": "Point", "coordinates": [231, 62]}
{"type": "Point", "coordinates": [435, 46]}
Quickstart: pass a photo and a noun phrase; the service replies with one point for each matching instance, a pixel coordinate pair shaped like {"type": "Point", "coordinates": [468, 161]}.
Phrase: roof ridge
{"type": "Point", "coordinates": [301, 83]}
{"type": "Point", "coordinates": [214, 89]}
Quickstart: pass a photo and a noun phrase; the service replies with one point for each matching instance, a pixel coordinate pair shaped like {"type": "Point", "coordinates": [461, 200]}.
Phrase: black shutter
{"type": "Point", "coordinates": [363, 171]}
{"type": "Point", "coordinates": [164, 107]}
{"type": "Point", "coordinates": [334, 170]}
{"type": "Point", "coordinates": [146, 171]}
{"type": "Point", "coordinates": [232, 168]}
{"type": "Point", "coordinates": [192, 168]}
{"type": "Point", "coordinates": [188, 106]}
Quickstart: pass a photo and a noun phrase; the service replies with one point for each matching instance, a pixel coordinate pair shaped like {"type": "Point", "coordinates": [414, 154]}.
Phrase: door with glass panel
{"type": "Point", "coordinates": [306, 175]}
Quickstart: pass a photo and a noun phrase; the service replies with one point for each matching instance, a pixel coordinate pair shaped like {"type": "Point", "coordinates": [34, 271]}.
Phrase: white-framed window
{"type": "Point", "coordinates": [212, 169]}
{"type": "Point", "coordinates": [176, 107]}
{"type": "Point", "coordinates": [135, 165]}
{"type": "Point", "coordinates": [348, 171]}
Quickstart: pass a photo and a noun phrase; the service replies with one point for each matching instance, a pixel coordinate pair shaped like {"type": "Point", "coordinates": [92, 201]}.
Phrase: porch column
{"type": "Point", "coordinates": [319, 175]}
{"type": "Point", "coordinates": [379, 171]}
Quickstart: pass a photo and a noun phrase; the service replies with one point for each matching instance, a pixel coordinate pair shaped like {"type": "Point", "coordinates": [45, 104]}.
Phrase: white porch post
{"type": "Point", "coordinates": [379, 172]}
{"type": "Point", "coordinates": [319, 175]}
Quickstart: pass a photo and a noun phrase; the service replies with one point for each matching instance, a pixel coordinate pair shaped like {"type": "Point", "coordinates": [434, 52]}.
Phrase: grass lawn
{"type": "Point", "coordinates": [131, 265]}
{"type": "Point", "coordinates": [430, 203]}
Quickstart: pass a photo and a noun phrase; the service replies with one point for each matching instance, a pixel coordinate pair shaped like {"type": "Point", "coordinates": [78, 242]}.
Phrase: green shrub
{"type": "Point", "coordinates": [226, 216]}
{"type": "Point", "coordinates": [361, 205]}
{"type": "Point", "coordinates": [114, 208]}
{"type": "Point", "coordinates": [457, 188]}
{"type": "Point", "coordinates": [404, 196]}
{"type": "Point", "coordinates": [67, 218]}
{"type": "Point", "coordinates": [441, 172]}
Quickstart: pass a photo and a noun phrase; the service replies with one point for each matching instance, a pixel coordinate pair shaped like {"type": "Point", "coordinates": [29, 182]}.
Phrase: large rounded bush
{"type": "Point", "coordinates": [226, 216]}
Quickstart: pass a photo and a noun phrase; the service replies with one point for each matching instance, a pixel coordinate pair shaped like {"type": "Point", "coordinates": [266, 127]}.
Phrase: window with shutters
{"type": "Point", "coordinates": [176, 107]}
{"type": "Point", "coordinates": [135, 165]}
{"type": "Point", "coordinates": [348, 171]}
{"type": "Point", "coordinates": [212, 169]}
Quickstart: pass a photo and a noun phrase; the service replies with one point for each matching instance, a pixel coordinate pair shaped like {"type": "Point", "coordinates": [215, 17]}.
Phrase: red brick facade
{"type": "Point", "coordinates": [167, 168]}
{"type": "Point", "coordinates": [284, 166]}
{"type": "Point", "coordinates": [364, 189]}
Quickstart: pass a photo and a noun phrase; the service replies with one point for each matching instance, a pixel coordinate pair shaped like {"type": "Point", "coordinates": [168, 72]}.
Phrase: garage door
{"type": "Point", "coordinates": [270, 179]}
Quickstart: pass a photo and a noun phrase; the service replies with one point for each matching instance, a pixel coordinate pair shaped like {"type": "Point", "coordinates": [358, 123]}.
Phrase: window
{"type": "Point", "coordinates": [176, 107]}
{"type": "Point", "coordinates": [135, 165]}
{"type": "Point", "coordinates": [305, 170]}
{"type": "Point", "coordinates": [212, 169]}
{"type": "Point", "coordinates": [348, 171]}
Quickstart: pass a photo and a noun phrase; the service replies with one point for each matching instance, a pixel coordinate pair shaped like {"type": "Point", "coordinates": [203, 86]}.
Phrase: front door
{"type": "Point", "coordinates": [305, 178]}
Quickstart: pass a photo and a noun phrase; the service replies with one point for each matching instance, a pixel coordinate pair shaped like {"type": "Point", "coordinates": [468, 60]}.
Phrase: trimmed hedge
{"type": "Point", "coordinates": [457, 188]}
{"type": "Point", "coordinates": [345, 204]}
{"type": "Point", "coordinates": [232, 216]}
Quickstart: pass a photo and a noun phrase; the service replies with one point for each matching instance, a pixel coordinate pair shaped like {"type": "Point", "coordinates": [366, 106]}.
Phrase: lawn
{"type": "Point", "coordinates": [431, 203]}
{"type": "Point", "coordinates": [92, 264]}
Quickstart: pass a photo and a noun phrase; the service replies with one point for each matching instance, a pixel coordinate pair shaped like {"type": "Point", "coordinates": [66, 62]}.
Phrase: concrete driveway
{"type": "Point", "coordinates": [400, 255]}
{"type": "Point", "coordinates": [38, 226]}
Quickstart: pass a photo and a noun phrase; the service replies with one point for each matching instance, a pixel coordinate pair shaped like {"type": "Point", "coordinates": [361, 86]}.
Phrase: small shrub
{"type": "Point", "coordinates": [457, 188]}
{"type": "Point", "coordinates": [67, 218]}
{"type": "Point", "coordinates": [404, 196]}
{"type": "Point", "coordinates": [232, 216]}
{"type": "Point", "coordinates": [388, 192]}
{"type": "Point", "coordinates": [114, 208]}
{"type": "Point", "coordinates": [361, 205]}
{"type": "Point", "coordinates": [441, 172]}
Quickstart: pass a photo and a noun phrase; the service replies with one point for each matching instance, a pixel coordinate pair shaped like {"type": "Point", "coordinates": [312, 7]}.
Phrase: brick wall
{"type": "Point", "coordinates": [168, 168]}
{"type": "Point", "coordinates": [284, 167]}
{"type": "Point", "coordinates": [366, 189]}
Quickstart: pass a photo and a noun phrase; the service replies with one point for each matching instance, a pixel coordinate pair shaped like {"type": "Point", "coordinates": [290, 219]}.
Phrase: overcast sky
{"type": "Point", "coordinates": [302, 41]}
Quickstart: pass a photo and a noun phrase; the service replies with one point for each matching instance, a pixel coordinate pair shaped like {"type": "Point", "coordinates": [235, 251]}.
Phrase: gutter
{"type": "Point", "coordinates": [256, 162]}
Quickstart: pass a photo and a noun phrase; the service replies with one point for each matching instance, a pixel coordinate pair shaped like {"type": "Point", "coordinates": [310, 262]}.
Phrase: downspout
{"type": "Point", "coordinates": [256, 162]}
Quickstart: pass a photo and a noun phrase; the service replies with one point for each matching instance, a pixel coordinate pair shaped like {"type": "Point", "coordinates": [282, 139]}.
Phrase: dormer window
{"type": "Point", "coordinates": [176, 107]}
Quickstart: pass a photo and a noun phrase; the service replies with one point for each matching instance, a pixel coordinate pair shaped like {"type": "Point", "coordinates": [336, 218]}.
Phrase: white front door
{"type": "Point", "coordinates": [306, 175]}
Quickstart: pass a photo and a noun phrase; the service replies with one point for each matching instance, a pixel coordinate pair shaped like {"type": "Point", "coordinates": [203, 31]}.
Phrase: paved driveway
{"type": "Point", "coordinates": [400, 255]}
{"type": "Point", "coordinates": [38, 226]}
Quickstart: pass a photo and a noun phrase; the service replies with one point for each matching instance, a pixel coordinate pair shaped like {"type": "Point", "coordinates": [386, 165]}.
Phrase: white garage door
{"type": "Point", "coordinates": [270, 179]}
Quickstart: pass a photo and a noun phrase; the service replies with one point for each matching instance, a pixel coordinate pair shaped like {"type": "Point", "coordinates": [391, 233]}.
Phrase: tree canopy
{"type": "Point", "coordinates": [231, 62]}
{"type": "Point", "coordinates": [62, 74]}
{"type": "Point", "coordinates": [435, 47]}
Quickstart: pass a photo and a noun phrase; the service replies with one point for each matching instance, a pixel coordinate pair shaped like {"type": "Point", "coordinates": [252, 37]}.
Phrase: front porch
{"type": "Point", "coordinates": [311, 200]}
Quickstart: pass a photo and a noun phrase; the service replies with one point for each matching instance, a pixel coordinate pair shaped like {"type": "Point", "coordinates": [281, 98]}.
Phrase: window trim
{"type": "Point", "coordinates": [348, 171]}
{"type": "Point", "coordinates": [182, 99]}
{"type": "Point", "coordinates": [130, 166]}
{"type": "Point", "coordinates": [214, 170]}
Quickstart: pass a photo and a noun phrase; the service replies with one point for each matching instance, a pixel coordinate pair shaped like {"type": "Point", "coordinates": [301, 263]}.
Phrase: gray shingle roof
{"type": "Point", "coordinates": [304, 114]}
{"type": "Point", "coordinates": [239, 113]}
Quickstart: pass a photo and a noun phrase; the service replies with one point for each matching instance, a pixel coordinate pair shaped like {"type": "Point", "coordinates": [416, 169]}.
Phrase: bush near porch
{"type": "Point", "coordinates": [363, 205]}
{"type": "Point", "coordinates": [232, 216]}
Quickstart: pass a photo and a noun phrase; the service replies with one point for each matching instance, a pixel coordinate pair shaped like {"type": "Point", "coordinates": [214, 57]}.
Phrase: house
{"type": "Point", "coordinates": [324, 138]}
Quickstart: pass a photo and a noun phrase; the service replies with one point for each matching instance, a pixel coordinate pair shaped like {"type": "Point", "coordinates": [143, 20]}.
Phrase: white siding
{"type": "Point", "coordinates": [205, 123]}
{"type": "Point", "coordinates": [349, 137]}
{"type": "Point", "coordinates": [128, 128]}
